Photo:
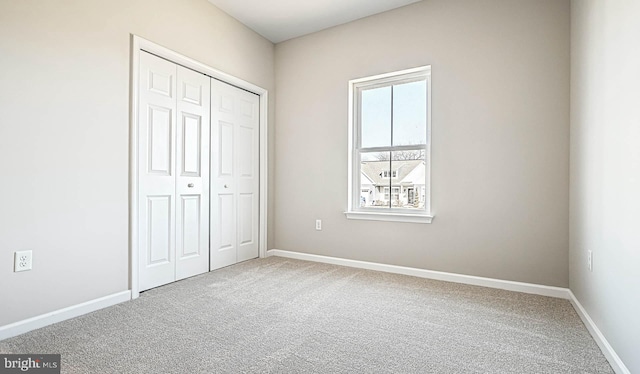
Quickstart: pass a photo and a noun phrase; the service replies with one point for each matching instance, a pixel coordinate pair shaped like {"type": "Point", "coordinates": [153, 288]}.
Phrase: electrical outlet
{"type": "Point", "coordinates": [590, 260]}
{"type": "Point", "coordinates": [23, 261]}
{"type": "Point", "coordinates": [319, 224]}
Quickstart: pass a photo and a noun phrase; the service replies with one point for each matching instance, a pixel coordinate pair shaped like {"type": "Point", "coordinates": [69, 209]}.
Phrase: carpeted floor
{"type": "Point", "coordinates": [278, 315]}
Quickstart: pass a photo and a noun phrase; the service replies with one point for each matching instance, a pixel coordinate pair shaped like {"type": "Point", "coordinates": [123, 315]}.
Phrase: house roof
{"type": "Point", "coordinates": [416, 176]}
{"type": "Point", "coordinates": [365, 179]}
{"type": "Point", "coordinates": [373, 170]}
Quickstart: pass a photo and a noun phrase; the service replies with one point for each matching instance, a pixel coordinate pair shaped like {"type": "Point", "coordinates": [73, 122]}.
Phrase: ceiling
{"type": "Point", "coordinates": [280, 20]}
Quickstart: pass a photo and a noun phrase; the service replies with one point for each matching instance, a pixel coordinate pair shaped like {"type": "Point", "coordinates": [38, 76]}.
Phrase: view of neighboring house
{"type": "Point", "coordinates": [397, 183]}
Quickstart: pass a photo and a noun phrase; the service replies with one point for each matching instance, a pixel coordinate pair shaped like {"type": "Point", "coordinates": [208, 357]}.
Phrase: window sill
{"type": "Point", "coordinates": [390, 217]}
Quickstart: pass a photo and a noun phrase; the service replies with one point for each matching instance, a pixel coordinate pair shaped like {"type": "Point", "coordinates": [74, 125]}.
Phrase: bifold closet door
{"type": "Point", "coordinates": [192, 179]}
{"type": "Point", "coordinates": [234, 174]}
{"type": "Point", "coordinates": [173, 172]}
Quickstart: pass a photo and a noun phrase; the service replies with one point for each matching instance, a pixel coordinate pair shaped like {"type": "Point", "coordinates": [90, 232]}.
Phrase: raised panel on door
{"type": "Point", "coordinates": [156, 245]}
{"type": "Point", "coordinates": [246, 151]}
{"type": "Point", "coordinates": [245, 223]}
{"type": "Point", "coordinates": [225, 154]}
{"type": "Point", "coordinates": [159, 140]}
{"type": "Point", "coordinates": [190, 226]}
{"type": "Point", "coordinates": [223, 235]}
{"type": "Point", "coordinates": [246, 228]}
{"type": "Point", "coordinates": [191, 165]}
{"type": "Point", "coordinates": [159, 246]}
{"type": "Point", "coordinates": [192, 179]}
{"type": "Point", "coordinates": [227, 219]}
{"type": "Point", "coordinates": [156, 179]}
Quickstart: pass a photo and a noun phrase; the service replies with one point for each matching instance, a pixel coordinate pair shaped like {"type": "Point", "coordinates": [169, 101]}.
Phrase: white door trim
{"type": "Point", "coordinates": [138, 44]}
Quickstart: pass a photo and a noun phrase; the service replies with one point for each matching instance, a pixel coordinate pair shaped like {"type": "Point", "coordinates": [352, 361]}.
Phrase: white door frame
{"type": "Point", "coordinates": [140, 44]}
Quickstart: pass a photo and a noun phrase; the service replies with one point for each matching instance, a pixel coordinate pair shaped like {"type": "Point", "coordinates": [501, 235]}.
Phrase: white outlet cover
{"type": "Point", "coordinates": [23, 261]}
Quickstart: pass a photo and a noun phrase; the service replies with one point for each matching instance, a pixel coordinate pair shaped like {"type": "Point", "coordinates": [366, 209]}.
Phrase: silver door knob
{"type": "Point", "coordinates": [190, 185]}
{"type": "Point", "coordinates": [225, 186]}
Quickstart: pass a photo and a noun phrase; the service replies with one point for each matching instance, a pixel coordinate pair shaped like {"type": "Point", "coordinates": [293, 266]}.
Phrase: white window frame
{"type": "Point", "coordinates": [356, 86]}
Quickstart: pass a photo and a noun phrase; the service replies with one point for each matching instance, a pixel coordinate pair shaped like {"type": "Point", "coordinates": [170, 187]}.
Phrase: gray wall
{"type": "Point", "coordinates": [500, 166]}
{"type": "Point", "coordinates": [64, 144]}
{"type": "Point", "coordinates": [605, 169]}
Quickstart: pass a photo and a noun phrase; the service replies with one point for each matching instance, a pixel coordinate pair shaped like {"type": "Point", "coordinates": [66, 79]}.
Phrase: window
{"type": "Point", "coordinates": [389, 144]}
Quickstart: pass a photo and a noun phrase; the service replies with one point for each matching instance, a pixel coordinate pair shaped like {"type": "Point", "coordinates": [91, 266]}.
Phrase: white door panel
{"type": "Point", "coordinates": [248, 181]}
{"type": "Point", "coordinates": [173, 180]}
{"type": "Point", "coordinates": [192, 181]}
{"type": "Point", "coordinates": [234, 181]}
{"type": "Point", "coordinates": [156, 202]}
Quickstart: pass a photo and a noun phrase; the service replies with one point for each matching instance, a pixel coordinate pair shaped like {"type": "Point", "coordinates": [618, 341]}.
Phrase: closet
{"type": "Point", "coordinates": [197, 180]}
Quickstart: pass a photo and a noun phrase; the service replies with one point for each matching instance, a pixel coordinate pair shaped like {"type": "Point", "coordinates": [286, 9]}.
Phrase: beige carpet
{"type": "Point", "coordinates": [278, 315]}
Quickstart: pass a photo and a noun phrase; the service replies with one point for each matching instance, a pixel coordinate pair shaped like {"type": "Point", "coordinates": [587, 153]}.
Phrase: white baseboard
{"type": "Point", "coordinates": [559, 292]}
{"type": "Point", "coordinates": [611, 355]}
{"type": "Point", "coordinates": [536, 289]}
{"type": "Point", "coordinates": [20, 327]}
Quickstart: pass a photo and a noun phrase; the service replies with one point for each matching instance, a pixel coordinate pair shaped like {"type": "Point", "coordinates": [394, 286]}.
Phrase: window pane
{"type": "Point", "coordinates": [410, 113]}
{"type": "Point", "coordinates": [375, 180]}
{"type": "Point", "coordinates": [408, 185]}
{"type": "Point", "coordinates": [376, 117]}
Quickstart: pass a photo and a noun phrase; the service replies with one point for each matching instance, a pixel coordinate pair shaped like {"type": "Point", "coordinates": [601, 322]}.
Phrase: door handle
{"type": "Point", "coordinates": [225, 186]}
{"type": "Point", "coordinates": [190, 185]}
